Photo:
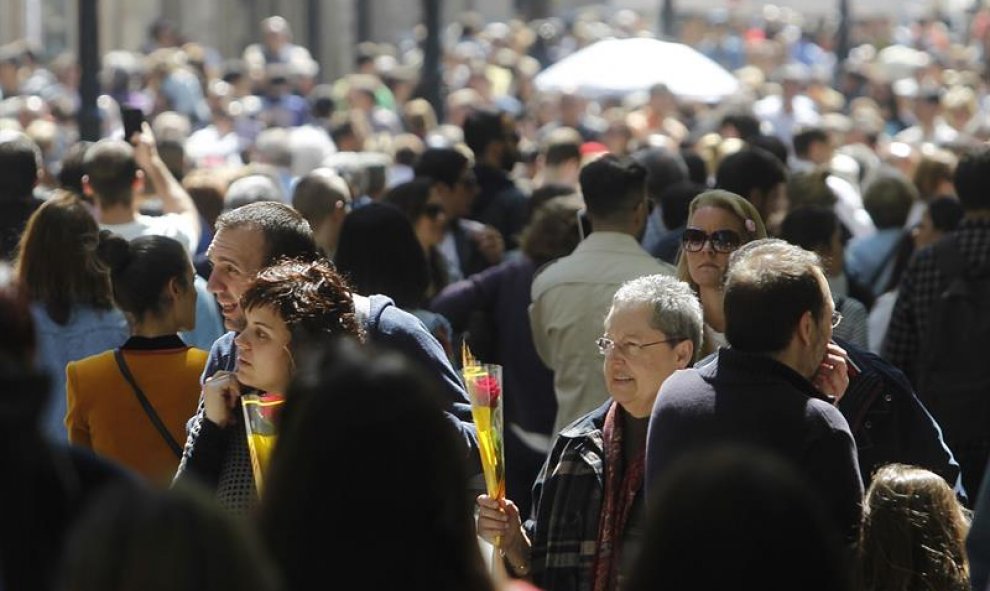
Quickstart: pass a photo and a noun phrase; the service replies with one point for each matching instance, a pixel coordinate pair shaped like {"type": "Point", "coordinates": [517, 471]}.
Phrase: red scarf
{"type": "Point", "coordinates": [620, 492]}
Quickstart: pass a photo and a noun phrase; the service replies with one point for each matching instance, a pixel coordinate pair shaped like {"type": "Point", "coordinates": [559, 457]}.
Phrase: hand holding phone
{"type": "Point", "coordinates": [133, 119]}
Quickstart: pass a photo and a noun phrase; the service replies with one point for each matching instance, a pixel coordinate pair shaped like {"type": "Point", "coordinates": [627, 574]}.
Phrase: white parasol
{"type": "Point", "coordinates": [615, 67]}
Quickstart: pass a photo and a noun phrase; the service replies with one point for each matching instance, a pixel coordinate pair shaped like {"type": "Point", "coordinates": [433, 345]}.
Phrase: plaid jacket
{"type": "Point", "coordinates": [920, 288]}
{"type": "Point", "coordinates": [567, 506]}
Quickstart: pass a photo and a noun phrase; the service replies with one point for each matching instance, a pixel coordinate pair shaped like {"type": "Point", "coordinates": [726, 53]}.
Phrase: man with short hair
{"type": "Point", "coordinates": [570, 295]}
{"type": "Point", "coordinates": [760, 178]}
{"type": "Point", "coordinates": [468, 246]}
{"type": "Point", "coordinates": [772, 387]}
{"type": "Point", "coordinates": [813, 150]}
{"type": "Point", "coordinates": [561, 157]}
{"type": "Point", "coordinates": [324, 199]}
{"type": "Point", "coordinates": [941, 323]}
{"type": "Point", "coordinates": [493, 138]}
{"type": "Point", "coordinates": [20, 169]}
{"type": "Point", "coordinates": [247, 240]}
{"type": "Point", "coordinates": [115, 174]}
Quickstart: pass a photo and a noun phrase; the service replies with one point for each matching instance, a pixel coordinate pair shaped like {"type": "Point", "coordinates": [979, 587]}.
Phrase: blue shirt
{"type": "Point", "coordinates": [88, 332]}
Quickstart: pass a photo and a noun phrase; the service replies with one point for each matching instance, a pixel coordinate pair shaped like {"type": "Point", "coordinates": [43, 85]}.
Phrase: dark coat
{"type": "Point", "coordinates": [752, 399]}
{"type": "Point", "coordinates": [888, 420]}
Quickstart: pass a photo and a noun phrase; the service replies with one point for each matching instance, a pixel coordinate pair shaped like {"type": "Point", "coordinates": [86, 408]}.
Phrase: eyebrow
{"type": "Point", "coordinates": [222, 259]}
{"type": "Point", "coordinates": [262, 324]}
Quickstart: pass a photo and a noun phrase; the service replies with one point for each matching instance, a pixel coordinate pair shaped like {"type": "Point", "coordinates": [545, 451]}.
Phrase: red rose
{"type": "Point", "coordinates": [488, 390]}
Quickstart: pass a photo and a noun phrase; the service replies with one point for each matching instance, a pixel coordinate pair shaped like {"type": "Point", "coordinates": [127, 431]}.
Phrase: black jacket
{"type": "Point", "coordinates": [756, 400]}
{"type": "Point", "coordinates": [888, 420]}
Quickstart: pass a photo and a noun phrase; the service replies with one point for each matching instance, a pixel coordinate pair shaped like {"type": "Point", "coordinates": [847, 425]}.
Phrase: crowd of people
{"type": "Point", "coordinates": [741, 340]}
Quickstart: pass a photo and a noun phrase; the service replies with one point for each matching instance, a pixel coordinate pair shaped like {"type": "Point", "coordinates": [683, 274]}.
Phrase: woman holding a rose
{"type": "Point", "coordinates": [588, 508]}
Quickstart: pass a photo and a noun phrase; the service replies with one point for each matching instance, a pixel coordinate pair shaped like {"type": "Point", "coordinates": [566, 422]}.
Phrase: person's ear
{"type": "Point", "coordinates": [87, 188]}
{"type": "Point", "coordinates": [806, 329]}
{"type": "Point", "coordinates": [174, 288]}
{"type": "Point", "coordinates": [684, 353]}
{"type": "Point", "coordinates": [138, 182]}
{"type": "Point", "coordinates": [339, 211]}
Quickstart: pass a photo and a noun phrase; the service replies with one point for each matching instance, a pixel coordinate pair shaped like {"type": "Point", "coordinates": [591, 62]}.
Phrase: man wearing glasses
{"type": "Point", "coordinates": [776, 385]}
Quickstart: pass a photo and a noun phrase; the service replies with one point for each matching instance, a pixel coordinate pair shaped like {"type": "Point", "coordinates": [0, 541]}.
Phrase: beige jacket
{"type": "Point", "coordinates": [570, 299]}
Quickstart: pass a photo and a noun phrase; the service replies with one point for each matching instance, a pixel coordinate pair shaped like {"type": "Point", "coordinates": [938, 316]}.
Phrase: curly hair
{"type": "Point", "coordinates": [310, 297]}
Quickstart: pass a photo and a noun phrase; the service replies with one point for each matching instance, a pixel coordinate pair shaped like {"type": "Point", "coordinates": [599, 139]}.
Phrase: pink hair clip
{"type": "Point", "coordinates": [751, 225]}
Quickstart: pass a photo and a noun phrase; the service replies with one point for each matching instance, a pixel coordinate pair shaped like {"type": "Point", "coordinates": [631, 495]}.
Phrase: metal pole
{"type": "Point", "coordinates": [364, 11]}
{"type": "Point", "coordinates": [89, 64]}
{"type": "Point", "coordinates": [313, 30]}
{"type": "Point", "coordinates": [842, 35]}
{"type": "Point", "coordinates": [432, 82]}
{"type": "Point", "coordinates": [668, 16]}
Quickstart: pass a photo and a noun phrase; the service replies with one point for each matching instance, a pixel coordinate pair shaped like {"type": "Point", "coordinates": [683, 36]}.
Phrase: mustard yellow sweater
{"type": "Point", "coordinates": [105, 415]}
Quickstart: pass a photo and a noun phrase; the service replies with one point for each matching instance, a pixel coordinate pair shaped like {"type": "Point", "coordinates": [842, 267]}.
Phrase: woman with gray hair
{"type": "Point", "coordinates": [588, 513]}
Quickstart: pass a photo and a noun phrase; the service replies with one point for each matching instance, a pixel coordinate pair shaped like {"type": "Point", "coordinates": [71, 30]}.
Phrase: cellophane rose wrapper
{"type": "Point", "coordinates": [484, 384]}
{"type": "Point", "coordinates": [261, 416]}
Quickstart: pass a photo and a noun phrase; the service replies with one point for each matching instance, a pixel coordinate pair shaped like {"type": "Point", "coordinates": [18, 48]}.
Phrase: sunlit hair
{"type": "Point", "coordinates": [734, 204]}
{"type": "Point", "coordinates": [913, 534]}
{"type": "Point", "coordinates": [309, 297]}
{"type": "Point", "coordinates": [676, 311]}
{"type": "Point", "coordinates": [57, 263]}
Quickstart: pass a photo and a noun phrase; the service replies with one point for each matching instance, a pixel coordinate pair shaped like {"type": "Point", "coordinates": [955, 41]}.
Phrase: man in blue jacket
{"type": "Point", "coordinates": [247, 240]}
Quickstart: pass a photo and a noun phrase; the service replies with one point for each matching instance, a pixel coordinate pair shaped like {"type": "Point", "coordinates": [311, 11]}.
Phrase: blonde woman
{"type": "Point", "coordinates": [719, 222]}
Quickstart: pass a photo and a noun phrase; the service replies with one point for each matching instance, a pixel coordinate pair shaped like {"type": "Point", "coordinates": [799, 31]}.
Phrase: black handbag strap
{"type": "Point", "coordinates": [146, 404]}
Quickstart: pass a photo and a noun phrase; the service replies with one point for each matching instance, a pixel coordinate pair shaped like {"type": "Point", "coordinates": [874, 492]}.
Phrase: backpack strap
{"type": "Point", "coordinates": [146, 405]}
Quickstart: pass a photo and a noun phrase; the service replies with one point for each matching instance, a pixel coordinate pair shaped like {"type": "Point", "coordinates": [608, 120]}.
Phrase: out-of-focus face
{"type": "Point", "coordinates": [431, 222]}
{"type": "Point", "coordinates": [236, 255]}
{"type": "Point", "coordinates": [263, 358]}
{"type": "Point", "coordinates": [834, 254]}
{"type": "Point", "coordinates": [776, 205]}
{"type": "Point", "coordinates": [707, 266]}
{"type": "Point", "coordinates": [457, 199]}
{"type": "Point", "coordinates": [640, 359]}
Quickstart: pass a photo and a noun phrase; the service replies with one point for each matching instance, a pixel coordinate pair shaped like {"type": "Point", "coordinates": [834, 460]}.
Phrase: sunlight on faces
{"type": "Point", "coordinates": [633, 375]}
{"type": "Point", "coordinates": [707, 267]}
{"type": "Point", "coordinates": [263, 358]}
{"type": "Point", "coordinates": [236, 255]}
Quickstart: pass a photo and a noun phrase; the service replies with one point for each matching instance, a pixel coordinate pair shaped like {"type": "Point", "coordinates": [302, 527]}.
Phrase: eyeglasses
{"type": "Point", "coordinates": [629, 350]}
{"type": "Point", "coordinates": [724, 241]}
{"type": "Point", "coordinates": [836, 318]}
{"type": "Point", "coordinates": [432, 210]}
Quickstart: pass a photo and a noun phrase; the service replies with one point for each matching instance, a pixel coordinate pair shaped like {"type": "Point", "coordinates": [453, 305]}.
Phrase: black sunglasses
{"type": "Point", "coordinates": [724, 241]}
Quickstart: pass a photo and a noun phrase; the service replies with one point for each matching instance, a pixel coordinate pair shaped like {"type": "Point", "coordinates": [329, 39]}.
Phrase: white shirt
{"type": "Point", "coordinates": [570, 300]}
{"type": "Point", "coordinates": [172, 225]}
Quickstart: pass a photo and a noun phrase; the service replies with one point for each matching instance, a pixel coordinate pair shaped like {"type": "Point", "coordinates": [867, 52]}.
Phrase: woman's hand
{"type": "Point", "coordinates": [500, 519]}
{"type": "Point", "coordinates": [220, 394]}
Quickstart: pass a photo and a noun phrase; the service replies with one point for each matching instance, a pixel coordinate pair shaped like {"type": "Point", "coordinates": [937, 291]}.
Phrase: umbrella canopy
{"type": "Point", "coordinates": [620, 66]}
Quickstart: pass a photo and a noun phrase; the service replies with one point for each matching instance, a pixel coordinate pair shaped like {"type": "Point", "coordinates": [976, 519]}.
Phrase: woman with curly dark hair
{"type": "Point", "coordinates": [285, 301]}
{"type": "Point", "coordinates": [913, 533]}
